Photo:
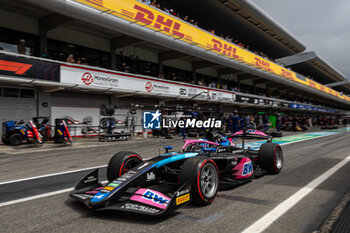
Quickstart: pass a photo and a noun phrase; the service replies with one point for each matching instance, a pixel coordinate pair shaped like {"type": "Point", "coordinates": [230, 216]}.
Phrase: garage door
{"type": "Point", "coordinates": [17, 104]}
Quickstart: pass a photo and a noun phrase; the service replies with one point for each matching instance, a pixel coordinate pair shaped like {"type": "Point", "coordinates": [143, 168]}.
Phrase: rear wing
{"type": "Point", "coordinates": [199, 141]}
{"type": "Point", "coordinates": [251, 134]}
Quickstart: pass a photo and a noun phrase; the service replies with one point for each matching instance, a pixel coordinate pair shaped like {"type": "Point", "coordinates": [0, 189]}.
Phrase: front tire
{"type": "Point", "coordinates": [15, 139]}
{"type": "Point", "coordinates": [204, 176]}
{"type": "Point", "coordinates": [271, 157]}
{"type": "Point", "coordinates": [121, 162]}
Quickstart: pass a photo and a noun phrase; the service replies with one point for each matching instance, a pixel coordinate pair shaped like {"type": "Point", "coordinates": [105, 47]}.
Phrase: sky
{"type": "Point", "coordinates": [322, 25]}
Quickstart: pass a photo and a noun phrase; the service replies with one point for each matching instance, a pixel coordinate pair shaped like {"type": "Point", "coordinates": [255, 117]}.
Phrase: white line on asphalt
{"type": "Point", "coordinates": [40, 196]}
{"type": "Point", "coordinates": [53, 174]}
{"type": "Point", "coordinates": [35, 197]}
{"type": "Point", "coordinates": [14, 152]}
{"type": "Point", "coordinates": [264, 222]}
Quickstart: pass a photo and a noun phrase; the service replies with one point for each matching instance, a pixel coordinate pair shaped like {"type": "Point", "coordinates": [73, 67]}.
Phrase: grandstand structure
{"type": "Point", "coordinates": [125, 49]}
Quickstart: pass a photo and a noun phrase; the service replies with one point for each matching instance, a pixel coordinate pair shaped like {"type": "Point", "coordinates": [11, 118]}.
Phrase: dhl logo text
{"type": "Point", "coordinates": [158, 21]}
{"type": "Point", "coordinates": [287, 74]}
{"type": "Point", "coordinates": [224, 48]}
{"type": "Point", "coordinates": [265, 65]}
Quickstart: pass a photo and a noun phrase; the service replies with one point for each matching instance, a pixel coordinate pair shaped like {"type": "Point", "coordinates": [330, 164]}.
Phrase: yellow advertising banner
{"type": "Point", "coordinates": [155, 19]}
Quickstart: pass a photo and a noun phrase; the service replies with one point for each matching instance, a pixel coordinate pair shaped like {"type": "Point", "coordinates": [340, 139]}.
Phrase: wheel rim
{"type": "Point", "coordinates": [129, 164]}
{"type": "Point", "coordinates": [279, 159]}
{"type": "Point", "coordinates": [209, 180]}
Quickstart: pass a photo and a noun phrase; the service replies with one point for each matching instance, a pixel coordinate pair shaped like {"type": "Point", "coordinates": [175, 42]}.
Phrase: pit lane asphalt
{"type": "Point", "coordinates": [232, 211]}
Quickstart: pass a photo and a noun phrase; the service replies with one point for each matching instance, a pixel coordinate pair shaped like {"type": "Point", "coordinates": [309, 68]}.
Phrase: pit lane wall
{"type": "Point", "coordinates": [142, 14]}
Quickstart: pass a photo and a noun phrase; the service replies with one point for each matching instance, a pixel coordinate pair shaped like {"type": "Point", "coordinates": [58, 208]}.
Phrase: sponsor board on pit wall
{"type": "Point", "coordinates": [222, 96]}
{"type": "Point", "coordinates": [123, 82]}
{"type": "Point", "coordinates": [130, 83]}
{"type": "Point", "coordinates": [25, 67]}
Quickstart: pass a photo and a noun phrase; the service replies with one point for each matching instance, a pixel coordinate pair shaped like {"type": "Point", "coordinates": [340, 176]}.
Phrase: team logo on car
{"type": "Point", "coordinates": [151, 176]}
{"type": "Point", "coordinates": [247, 168]}
{"type": "Point", "coordinates": [151, 120]}
{"type": "Point", "coordinates": [155, 197]}
{"type": "Point", "coordinates": [99, 196]}
{"type": "Point", "coordinates": [252, 131]}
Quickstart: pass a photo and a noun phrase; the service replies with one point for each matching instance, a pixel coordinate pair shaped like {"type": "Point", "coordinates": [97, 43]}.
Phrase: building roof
{"type": "Point", "coordinates": [254, 14]}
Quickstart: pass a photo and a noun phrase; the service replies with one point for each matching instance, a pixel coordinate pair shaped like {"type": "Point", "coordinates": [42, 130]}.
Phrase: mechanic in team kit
{"type": "Point", "coordinates": [236, 122]}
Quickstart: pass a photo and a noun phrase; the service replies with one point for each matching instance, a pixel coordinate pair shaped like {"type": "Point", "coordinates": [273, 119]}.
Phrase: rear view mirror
{"type": "Point", "coordinates": [167, 148]}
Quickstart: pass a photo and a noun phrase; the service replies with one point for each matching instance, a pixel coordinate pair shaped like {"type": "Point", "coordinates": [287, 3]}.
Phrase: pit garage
{"type": "Point", "coordinates": [18, 103]}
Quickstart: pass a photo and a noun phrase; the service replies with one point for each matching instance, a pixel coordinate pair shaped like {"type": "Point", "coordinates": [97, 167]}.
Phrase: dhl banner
{"type": "Point", "coordinates": [150, 17]}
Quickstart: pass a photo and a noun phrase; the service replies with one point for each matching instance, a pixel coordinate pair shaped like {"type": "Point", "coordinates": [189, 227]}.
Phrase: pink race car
{"type": "Point", "coordinates": [169, 181]}
{"type": "Point", "coordinates": [238, 164]}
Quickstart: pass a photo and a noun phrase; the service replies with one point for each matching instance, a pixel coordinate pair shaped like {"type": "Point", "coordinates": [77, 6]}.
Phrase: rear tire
{"type": "Point", "coordinates": [204, 177]}
{"type": "Point", "coordinates": [271, 157]}
{"type": "Point", "coordinates": [121, 162]}
{"type": "Point", "coordinates": [107, 110]}
{"type": "Point", "coordinates": [15, 139]}
{"type": "Point", "coordinates": [110, 109]}
{"type": "Point", "coordinates": [103, 110]}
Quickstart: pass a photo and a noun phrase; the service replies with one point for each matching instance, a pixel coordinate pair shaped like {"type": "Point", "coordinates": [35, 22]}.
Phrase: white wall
{"type": "Point", "coordinates": [77, 113]}
{"type": "Point", "coordinates": [16, 109]}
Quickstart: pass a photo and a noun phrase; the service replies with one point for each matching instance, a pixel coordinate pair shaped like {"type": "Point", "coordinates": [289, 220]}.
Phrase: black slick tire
{"type": "Point", "coordinates": [15, 139]}
{"type": "Point", "coordinates": [121, 162]}
{"type": "Point", "coordinates": [193, 171]}
{"type": "Point", "coordinates": [271, 157]}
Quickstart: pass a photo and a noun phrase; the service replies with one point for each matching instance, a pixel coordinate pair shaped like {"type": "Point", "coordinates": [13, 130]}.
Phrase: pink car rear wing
{"type": "Point", "coordinates": [250, 132]}
{"type": "Point", "coordinates": [189, 142]}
